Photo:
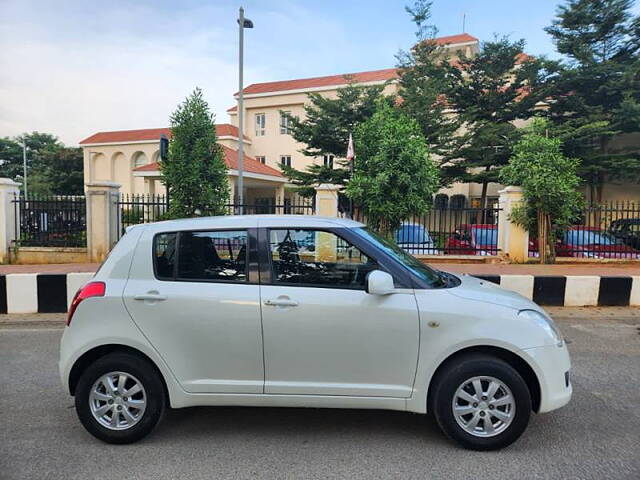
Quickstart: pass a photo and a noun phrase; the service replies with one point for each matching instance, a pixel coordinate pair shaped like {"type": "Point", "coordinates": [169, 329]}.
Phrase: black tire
{"type": "Point", "coordinates": [146, 373]}
{"type": "Point", "coordinates": [460, 370]}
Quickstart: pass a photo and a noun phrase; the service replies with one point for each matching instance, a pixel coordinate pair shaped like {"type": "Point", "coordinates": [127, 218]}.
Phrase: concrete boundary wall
{"type": "Point", "coordinates": [52, 293]}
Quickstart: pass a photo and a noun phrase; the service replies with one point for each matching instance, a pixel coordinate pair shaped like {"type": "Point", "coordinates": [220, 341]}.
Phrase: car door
{"type": "Point", "coordinates": [323, 333]}
{"type": "Point", "coordinates": [195, 296]}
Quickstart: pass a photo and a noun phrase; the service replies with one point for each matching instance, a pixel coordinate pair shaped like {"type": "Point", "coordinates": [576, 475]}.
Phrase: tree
{"type": "Point", "coordinates": [489, 92]}
{"type": "Point", "coordinates": [52, 168]}
{"type": "Point", "coordinates": [194, 173]}
{"type": "Point", "coordinates": [598, 93]}
{"type": "Point", "coordinates": [394, 176]}
{"type": "Point", "coordinates": [11, 159]}
{"type": "Point", "coordinates": [325, 130]}
{"type": "Point", "coordinates": [423, 86]}
{"type": "Point", "coordinates": [59, 172]}
{"type": "Point", "coordinates": [550, 183]}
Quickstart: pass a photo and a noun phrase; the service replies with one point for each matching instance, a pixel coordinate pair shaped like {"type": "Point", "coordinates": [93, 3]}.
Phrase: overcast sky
{"type": "Point", "coordinates": [72, 68]}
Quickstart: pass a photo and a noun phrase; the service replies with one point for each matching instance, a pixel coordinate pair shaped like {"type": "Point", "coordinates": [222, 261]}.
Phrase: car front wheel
{"type": "Point", "coordinates": [481, 402]}
{"type": "Point", "coordinates": [120, 398]}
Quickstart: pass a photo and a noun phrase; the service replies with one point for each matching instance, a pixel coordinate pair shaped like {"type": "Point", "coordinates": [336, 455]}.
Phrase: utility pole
{"type": "Point", "coordinates": [242, 24]}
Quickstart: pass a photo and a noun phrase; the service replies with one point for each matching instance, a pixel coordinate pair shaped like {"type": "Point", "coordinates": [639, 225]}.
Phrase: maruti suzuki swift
{"type": "Point", "coordinates": [302, 311]}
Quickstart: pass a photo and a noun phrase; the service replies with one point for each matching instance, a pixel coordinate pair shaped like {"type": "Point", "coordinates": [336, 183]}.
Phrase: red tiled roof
{"type": "Point", "coordinates": [450, 39]}
{"type": "Point", "coordinates": [231, 160]}
{"type": "Point", "coordinates": [331, 80]}
{"type": "Point", "coordinates": [124, 136]}
{"type": "Point", "coordinates": [334, 80]}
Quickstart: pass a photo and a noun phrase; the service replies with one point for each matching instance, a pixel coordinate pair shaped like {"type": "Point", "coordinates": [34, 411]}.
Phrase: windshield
{"type": "Point", "coordinates": [431, 276]}
{"type": "Point", "coordinates": [412, 234]}
{"type": "Point", "coordinates": [587, 237]}
{"type": "Point", "coordinates": [485, 236]}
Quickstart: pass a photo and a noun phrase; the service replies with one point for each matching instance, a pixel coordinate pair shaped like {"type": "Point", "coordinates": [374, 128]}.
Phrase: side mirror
{"type": "Point", "coordinates": [379, 283]}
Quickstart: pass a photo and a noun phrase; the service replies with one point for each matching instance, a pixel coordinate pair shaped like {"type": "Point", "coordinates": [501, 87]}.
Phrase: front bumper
{"type": "Point", "coordinates": [552, 366]}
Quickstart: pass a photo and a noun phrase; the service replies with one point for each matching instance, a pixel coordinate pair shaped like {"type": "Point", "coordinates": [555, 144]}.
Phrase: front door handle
{"type": "Point", "coordinates": [281, 302]}
{"type": "Point", "coordinates": [150, 297]}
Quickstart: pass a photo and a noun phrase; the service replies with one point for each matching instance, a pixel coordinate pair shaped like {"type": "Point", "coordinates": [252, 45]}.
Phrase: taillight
{"type": "Point", "coordinates": [91, 289]}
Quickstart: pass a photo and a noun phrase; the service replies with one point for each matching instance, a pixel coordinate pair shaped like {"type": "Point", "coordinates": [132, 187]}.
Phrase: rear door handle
{"type": "Point", "coordinates": [281, 302]}
{"type": "Point", "coordinates": [153, 297]}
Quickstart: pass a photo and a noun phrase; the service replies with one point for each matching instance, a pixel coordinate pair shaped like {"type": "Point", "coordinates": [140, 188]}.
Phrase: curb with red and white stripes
{"type": "Point", "coordinates": [52, 293]}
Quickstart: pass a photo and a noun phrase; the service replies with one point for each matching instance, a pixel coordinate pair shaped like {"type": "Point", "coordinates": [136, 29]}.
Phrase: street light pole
{"type": "Point", "coordinates": [242, 24]}
{"type": "Point", "coordinates": [24, 165]}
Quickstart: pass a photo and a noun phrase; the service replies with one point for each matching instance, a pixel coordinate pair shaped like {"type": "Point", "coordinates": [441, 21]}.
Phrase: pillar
{"type": "Point", "coordinates": [513, 240]}
{"type": "Point", "coordinates": [9, 225]}
{"type": "Point", "coordinates": [327, 200]}
{"type": "Point", "coordinates": [102, 218]}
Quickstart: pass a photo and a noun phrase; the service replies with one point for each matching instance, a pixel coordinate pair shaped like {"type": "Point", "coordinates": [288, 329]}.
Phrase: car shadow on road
{"type": "Point", "coordinates": [274, 422]}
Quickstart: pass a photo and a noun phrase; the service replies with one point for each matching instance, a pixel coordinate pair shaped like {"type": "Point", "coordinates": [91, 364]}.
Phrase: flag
{"type": "Point", "coordinates": [351, 154]}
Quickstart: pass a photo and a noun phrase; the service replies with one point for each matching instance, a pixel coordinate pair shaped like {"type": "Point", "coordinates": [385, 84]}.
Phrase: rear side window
{"type": "Point", "coordinates": [164, 255]}
{"type": "Point", "coordinates": [215, 256]}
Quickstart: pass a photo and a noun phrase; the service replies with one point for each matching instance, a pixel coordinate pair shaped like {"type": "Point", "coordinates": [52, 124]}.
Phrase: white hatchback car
{"type": "Point", "coordinates": [302, 311]}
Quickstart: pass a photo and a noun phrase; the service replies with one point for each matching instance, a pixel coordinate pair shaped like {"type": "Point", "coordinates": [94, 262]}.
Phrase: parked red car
{"type": "Point", "coordinates": [591, 242]}
{"type": "Point", "coordinates": [473, 239]}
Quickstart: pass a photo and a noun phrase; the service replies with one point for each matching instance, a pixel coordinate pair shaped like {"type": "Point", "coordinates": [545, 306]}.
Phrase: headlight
{"type": "Point", "coordinates": [545, 322]}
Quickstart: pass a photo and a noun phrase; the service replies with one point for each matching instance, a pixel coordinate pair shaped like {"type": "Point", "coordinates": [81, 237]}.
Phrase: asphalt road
{"type": "Point", "coordinates": [596, 436]}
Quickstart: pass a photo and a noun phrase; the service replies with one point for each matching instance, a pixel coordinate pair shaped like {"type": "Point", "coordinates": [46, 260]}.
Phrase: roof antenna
{"type": "Point", "coordinates": [464, 21]}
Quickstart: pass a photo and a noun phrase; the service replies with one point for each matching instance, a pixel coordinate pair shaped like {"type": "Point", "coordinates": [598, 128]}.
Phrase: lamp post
{"type": "Point", "coordinates": [242, 24]}
{"type": "Point", "coordinates": [24, 165]}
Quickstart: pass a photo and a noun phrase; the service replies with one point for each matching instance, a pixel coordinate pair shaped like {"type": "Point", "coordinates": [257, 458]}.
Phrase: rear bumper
{"type": "Point", "coordinates": [552, 366]}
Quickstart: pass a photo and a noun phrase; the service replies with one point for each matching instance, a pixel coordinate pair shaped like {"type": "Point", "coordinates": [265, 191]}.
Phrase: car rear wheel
{"type": "Point", "coordinates": [120, 398]}
{"type": "Point", "coordinates": [481, 402]}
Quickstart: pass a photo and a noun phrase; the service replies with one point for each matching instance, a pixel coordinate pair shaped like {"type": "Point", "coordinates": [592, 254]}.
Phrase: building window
{"type": "Point", "coordinates": [328, 161]}
{"type": "Point", "coordinates": [261, 124]}
{"type": "Point", "coordinates": [261, 159]}
{"type": "Point", "coordinates": [285, 160]}
{"type": "Point", "coordinates": [139, 159]}
{"type": "Point", "coordinates": [285, 123]}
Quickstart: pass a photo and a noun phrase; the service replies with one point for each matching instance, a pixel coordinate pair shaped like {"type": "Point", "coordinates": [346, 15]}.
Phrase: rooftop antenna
{"type": "Point", "coordinates": [464, 21]}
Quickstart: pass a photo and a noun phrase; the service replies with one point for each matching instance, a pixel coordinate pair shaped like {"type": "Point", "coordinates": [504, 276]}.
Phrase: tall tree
{"type": "Point", "coordinates": [598, 93]}
{"type": "Point", "coordinates": [325, 130]}
{"type": "Point", "coordinates": [194, 173]}
{"type": "Point", "coordinates": [423, 86]}
{"type": "Point", "coordinates": [550, 183]}
{"type": "Point", "coordinates": [489, 92]}
{"type": "Point", "coordinates": [394, 177]}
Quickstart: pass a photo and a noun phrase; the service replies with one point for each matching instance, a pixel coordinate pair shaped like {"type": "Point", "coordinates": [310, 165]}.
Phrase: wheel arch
{"type": "Point", "coordinates": [90, 356]}
{"type": "Point", "coordinates": [514, 360]}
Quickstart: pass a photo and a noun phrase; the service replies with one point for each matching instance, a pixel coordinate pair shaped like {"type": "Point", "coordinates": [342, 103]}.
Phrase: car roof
{"type": "Point", "coordinates": [253, 221]}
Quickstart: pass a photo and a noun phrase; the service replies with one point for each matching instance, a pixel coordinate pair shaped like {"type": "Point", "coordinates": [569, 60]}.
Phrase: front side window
{"type": "Point", "coordinates": [214, 256]}
{"type": "Point", "coordinates": [261, 124]}
{"type": "Point", "coordinates": [328, 161]}
{"type": "Point", "coordinates": [262, 159]}
{"type": "Point", "coordinates": [164, 255]}
{"type": "Point", "coordinates": [284, 123]}
{"type": "Point", "coordinates": [285, 160]}
{"type": "Point", "coordinates": [311, 258]}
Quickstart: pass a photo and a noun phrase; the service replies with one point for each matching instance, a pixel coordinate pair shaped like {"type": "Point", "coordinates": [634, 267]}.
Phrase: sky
{"type": "Point", "coordinates": [73, 68]}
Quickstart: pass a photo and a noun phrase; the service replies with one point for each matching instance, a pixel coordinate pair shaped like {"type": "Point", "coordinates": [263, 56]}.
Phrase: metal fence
{"type": "Point", "coordinates": [447, 231]}
{"type": "Point", "coordinates": [51, 221]}
{"type": "Point", "coordinates": [606, 230]}
{"type": "Point", "coordinates": [136, 209]}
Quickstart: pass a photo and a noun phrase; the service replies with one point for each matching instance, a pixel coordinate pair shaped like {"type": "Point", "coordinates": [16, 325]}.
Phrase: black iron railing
{"type": "Point", "coordinates": [51, 221]}
{"type": "Point", "coordinates": [447, 231]}
{"type": "Point", "coordinates": [609, 230]}
{"type": "Point", "coordinates": [136, 209]}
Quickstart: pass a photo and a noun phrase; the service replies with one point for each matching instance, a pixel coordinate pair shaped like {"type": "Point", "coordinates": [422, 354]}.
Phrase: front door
{"type": "Point", "coordinates": [323, 334]}
{"type": "Point", "coordinates": [199, 310]}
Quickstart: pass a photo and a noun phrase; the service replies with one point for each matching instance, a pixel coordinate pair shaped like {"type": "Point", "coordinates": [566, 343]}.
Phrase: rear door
{"type": "Point", "coordinates": [195, 296]}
